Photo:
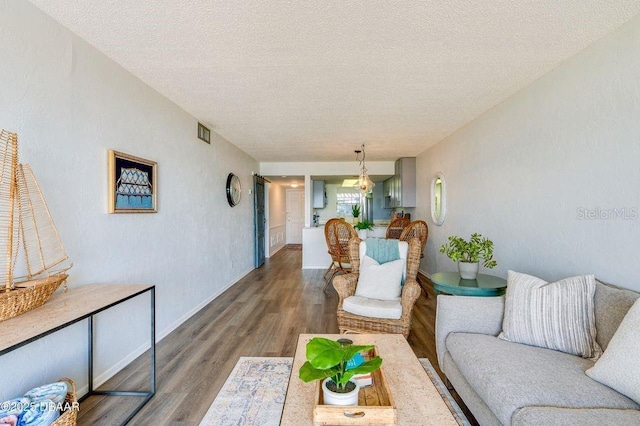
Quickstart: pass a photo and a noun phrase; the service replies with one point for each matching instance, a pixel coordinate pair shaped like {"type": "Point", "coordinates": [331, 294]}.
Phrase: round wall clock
{"type": "Point", "coordinates": [233, 190]}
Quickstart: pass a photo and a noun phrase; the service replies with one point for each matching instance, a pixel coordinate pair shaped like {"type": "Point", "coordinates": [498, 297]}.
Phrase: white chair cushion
{"type": "Point", "coordinates": [383, 282]}
{"type": "Point", "coordinates": [344, 264]}
{"type": "Point", "coordinates": [403, 247]}
{"type": "Point", "coordinates": [373, 308]}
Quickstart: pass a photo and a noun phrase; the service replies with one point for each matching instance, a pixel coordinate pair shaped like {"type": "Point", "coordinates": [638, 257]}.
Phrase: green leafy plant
{"type": "Point", "coordinates": [328, 358]}
{"type": "Point", "coordinates": [355, 210]}
{"type": "Point", "coordinates": [364, 224]}
{"type": "Point", "coordinates": [478, 247]}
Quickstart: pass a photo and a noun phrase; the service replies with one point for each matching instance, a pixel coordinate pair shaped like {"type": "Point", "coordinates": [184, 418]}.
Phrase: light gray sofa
{"type": "Point", "coordinates": [505, 383]}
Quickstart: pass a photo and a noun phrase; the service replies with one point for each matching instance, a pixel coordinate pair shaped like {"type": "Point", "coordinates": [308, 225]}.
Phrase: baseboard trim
{"type": "Point", "coordinates": [128, 359]}
{"type": "Point", "coordinates": [277, 250]}
{"type": "Point", "coordinates": [427, 275]}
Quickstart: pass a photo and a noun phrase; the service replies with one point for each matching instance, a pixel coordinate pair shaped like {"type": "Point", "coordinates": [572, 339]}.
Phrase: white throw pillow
{"type": "Point", "coordinates": [619, 367]}
{"type": "Point", "coordinates": [558, 315]}
{"type": "Point", "coordinates": [381, 282]}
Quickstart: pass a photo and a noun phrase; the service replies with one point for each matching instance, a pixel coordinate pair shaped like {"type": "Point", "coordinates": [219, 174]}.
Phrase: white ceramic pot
{"type": "Point", "coordinates": [468, 271]}
{"type": "Point", "coordinates": [362, 234]}
{"type": "Point", "coordinates": [335, 398]}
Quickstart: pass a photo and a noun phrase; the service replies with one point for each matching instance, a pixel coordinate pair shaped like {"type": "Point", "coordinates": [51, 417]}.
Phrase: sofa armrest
{"type": "Point", "coordinates": [465, 314]}
{"type": "Point", "coordinates": [533, 416]}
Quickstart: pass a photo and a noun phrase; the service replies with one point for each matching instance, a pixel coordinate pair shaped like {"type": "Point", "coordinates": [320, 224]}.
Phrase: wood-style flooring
{"type": "Point", "coordinates": [261, 315]}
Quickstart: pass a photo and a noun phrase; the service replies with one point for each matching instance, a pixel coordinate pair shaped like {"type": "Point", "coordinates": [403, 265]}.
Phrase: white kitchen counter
{"type": "Point", "coordinates": [314, 249]}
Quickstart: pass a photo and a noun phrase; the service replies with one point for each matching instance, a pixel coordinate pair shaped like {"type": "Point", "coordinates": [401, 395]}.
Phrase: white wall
{"type": "Point", "coordinates": [521, 172]}
{"type": "Point", "coordinates": [277, 218]}
{"type": "Point", "coordinates": [70, 104]}
{"type": "Point", "coordinates": [331, 209]}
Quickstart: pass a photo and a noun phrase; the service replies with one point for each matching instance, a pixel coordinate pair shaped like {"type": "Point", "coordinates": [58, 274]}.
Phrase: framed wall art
{"type": "Point", "coordinates": [132, 184]}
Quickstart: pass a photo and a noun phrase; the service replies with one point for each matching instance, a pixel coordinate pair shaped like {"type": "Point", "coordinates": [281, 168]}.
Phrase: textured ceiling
{"type": "Point", "coordinates": [310, 81]}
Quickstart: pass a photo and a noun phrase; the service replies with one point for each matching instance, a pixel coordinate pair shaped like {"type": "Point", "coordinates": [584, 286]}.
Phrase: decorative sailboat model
{"type": "Point", "coordinates": [25, 222]}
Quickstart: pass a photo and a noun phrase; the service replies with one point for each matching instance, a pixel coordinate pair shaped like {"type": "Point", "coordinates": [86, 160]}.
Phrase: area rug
{"type": "Point", "coordinates": [255, 390]}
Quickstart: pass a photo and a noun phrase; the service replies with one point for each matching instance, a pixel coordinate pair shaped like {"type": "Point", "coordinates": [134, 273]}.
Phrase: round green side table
{"type": "Point", "coordinates": [484, 285]}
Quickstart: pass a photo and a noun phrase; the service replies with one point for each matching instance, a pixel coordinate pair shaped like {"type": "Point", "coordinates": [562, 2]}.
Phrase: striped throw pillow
{"type": "Point", "coordinates": [558, 315]}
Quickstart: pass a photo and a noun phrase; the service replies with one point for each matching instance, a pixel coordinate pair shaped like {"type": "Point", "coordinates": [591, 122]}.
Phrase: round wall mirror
{"type": "Point", "coordinates": [438, 199]}
{"type": "Point", "coordinates": [234, 190]}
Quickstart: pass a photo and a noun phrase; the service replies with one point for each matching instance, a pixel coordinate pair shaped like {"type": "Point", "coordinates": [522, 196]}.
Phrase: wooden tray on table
{"type": "Point", "coordinates": [375, 405]}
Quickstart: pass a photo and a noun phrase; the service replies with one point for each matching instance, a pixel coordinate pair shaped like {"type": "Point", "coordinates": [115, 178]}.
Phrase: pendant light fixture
{"type": "Point", "coordinates": [364, 183]}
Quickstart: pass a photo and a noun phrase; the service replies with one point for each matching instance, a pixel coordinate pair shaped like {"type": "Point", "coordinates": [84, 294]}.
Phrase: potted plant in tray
{"type": "Point", "coordinates": [469, 253]}
{"type": "Point", "coordinates": [328, 360]}
{"type": "Point", "coordinates": [363, 226]}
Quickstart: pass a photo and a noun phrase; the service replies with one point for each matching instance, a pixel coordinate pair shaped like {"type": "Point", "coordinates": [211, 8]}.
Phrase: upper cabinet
{"type": "Point", "coordinates": [400, 189]}
{"type": "Point", "coordinates": [319, 195]}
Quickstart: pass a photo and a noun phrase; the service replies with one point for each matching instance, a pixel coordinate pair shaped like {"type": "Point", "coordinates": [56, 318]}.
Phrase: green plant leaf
{"type": "Point", "coordinates": [344, 378]}
{"type": "Point", "coordinates": [324, 353]}
{"type": "Point", "coordinates": [308, 373]}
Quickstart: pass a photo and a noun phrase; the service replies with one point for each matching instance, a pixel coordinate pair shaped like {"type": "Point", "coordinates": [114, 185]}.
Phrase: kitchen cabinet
{"type": "Point", "coordinates": [386, 194]}
{"type": "Point", "coordinates": [401, 186]}
{"type": "Point", "coordinates": [319, 195]}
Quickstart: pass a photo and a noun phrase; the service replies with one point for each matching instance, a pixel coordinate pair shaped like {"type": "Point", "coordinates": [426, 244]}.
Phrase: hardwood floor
{"type": "Point", "coordinates": [261, 315]}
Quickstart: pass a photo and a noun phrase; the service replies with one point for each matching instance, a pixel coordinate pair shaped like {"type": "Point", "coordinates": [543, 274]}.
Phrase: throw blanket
{"type": "Point", "coordinates": [38, 407]}
{"type": "Point", "coordinates": [55, 392]}
{"type": "Point", "coordinates": [382, 251]}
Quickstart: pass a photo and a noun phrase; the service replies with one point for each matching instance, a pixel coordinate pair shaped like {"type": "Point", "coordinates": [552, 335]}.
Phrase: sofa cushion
{"type": "Point", "coordinates": [619, 368]}
{"type": "Point", "coordinates": [611, 305]}
{"type": "Point", "coordinates": [558, 315]}
{"type": "Point", "coordinates": [509, 376]}
{"type": "Point", "coordinates": [558, 416]}
{"type": "Point", "coordinates": [390, 309]}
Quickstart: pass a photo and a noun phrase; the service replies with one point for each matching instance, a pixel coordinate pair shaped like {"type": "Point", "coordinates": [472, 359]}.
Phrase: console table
{"type": "Point", "coordinates": [77, 304]}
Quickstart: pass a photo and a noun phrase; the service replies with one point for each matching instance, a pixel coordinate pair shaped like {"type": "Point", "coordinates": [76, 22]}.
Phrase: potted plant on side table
{"type": "Point", "coordinates": [327, 360]}
{"type": "Point", "coordinates": [469, 253]}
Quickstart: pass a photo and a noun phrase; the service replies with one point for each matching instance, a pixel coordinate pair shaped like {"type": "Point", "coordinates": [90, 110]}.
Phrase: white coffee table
{"type": "Point", "coordinates": [417, 400]}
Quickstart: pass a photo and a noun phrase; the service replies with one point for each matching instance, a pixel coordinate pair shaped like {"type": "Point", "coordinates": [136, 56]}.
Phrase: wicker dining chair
{"type": "Point", "coordinates": [345, 285]}
{"type": "Point", "coordinates": [394, 230]}
{"type": "Point", "coordinates": [416, 229]}
{"type": "Point", "coordinates": [337, 233]}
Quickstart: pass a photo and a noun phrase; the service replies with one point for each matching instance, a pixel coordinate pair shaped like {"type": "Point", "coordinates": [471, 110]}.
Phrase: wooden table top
{"type": "Point", "coordinates": [63, 309]}
{"type": "Point", "coordinates": [417, 400]}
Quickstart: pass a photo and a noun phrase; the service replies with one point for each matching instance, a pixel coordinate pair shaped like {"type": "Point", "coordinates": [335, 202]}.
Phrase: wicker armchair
{"type": "Point", "coordinates": [417, 229]}
{"type": "Point", "coordinates": [337, 233]}
{"type": "Point", "coordinates": [345, 285]}
{"type": "Point", "coordinates": [396, 226]}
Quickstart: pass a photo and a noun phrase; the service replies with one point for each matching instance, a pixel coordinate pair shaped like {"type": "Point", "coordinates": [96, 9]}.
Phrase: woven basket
{"type": "Point", "coordinates": [28, 295]}
{"type": "Point", "coordinates": [70, 416]}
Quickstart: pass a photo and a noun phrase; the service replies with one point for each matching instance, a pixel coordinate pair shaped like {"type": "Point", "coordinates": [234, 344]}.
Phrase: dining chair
{"type": "Point", "coordinates": [337, 233]}
{"type": "Point", "coordinates": [395, 227]}
{"type": "Point", "coordinates": [416, 229]}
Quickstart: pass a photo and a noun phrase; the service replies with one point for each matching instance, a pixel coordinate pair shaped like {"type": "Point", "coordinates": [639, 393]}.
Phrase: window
{"type": "Point", "coordinates": [346, 200]}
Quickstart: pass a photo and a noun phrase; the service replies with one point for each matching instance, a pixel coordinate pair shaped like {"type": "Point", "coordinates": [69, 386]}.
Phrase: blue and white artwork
{"type": "Point", "coordinates": [134, 185]}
